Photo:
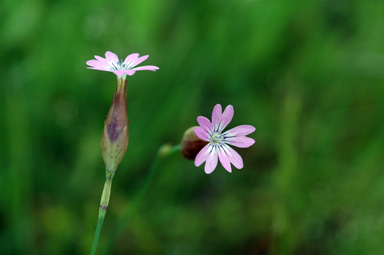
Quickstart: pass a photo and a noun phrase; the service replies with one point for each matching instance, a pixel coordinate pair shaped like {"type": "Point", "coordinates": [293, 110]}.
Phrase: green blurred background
{"type": "Point", "coordinates": [307, 74]}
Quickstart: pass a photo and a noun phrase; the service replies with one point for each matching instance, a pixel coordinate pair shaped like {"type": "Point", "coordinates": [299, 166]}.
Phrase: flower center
{"type": "Point", "coordinates": [216, 139]}
{"type": "Point", "coordinates": [120, 65]}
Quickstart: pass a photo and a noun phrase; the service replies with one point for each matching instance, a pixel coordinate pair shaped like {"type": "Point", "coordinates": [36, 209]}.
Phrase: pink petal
{"type": "Point", "coordinates": [130, 58]}
{"type": "Point", "coordinates": [226, 118]}
{"type": "Point", "coordinates": [201, 133]}
{"type": "Point", "coordinates": [111, 57]}
{"type": "Point", "coordinates": [241, 130]}
{"type": "Point", "coordinates": [216, 116]}
{"type": "Point", "coordinates": [224, 160]}
{"type": "Point", "coordinates": [101, 60]}
{"type": "Point", "coordinates": [234, 157]}
{"type": "Point", "coordinates": [118, 72]}
{"type": "Point", "coordinates": [139, 60]}
{"type": "Point", "coordinates": [240, 141]}
{"type": "Point", "coordinates": [204, 123]}
{"type": "Point", "coordinates": [129, 72]}
{"type": "Point", "coordinates": [148, 68]}
{"type": "Point", "coordinates": [97, 64]}
{"type": "Point", "coordinates": [211, 163]}
{"type": "Point", "coordinates": [202, 155]}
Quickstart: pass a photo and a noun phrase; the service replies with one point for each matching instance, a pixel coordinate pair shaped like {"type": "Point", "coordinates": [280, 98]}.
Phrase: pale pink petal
{"type": "Point", "coordinates": [95, 63]}
{"type": "Point", "coordinates": [202, 155]}
{"type": "Point", "coordinates": [111, 57]}
{"type": "Point", "coordinates": [240, 141]}
{"type": "Point", "coordinates": [147, 68]}
{"type": "Point", "coordinates": [226, 117]}
{"type": "Point", "coordinates": [130, 72]}
{"type": "Point", "coordinates": [241, 130]}
{"type": "Point", "coordinates": [233, 156]}
{"type": "Point", "coordinates": [216, 116]}
{"type": "Point", "coordinates": [130, 58]}
{"type": "Point", "coordinates": [98, 64]}
{"type": "Point", "coordinates": [204, 123]}
{"type": "Point", "coordinates": [118, 72]}
{"type": "Point", "coordinates": [211, 162]}
{"type": "Point", "coordinates": [100, 59]}
{"type": "Point", "coordinates": [139, 60]}
{"type": "Point", "coordinates": [201, 133]}
{"type": "Point", "coordinates": [224, 159]}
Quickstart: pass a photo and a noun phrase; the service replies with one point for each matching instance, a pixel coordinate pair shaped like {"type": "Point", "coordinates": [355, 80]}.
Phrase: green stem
{"type": "Point", "coordinates": [103, 209]}
{"type": "Point", "coordinates": [97, 232]}
{"type": "Point", "coordinates": [163, 152]}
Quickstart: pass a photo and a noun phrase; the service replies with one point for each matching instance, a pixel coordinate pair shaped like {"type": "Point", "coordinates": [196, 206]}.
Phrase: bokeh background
{"type": "Point", "coordinates": [307, 74]}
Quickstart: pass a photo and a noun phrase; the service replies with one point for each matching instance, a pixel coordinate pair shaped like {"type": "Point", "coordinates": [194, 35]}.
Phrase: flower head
{"type": "Point", "coordinates": [111, 63]}
{"type": "Point", "coordinates": [218, 148]}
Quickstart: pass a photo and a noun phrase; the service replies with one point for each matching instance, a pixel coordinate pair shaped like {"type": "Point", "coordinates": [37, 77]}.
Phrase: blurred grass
{"type": "Point", "coordinates": [308, 75]}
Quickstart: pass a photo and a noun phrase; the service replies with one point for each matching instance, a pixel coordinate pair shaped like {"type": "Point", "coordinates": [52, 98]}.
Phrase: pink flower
{"type": "Point", "coordinates": [111, 63]}
{"type": "Point", "coordinates": [218, 148]}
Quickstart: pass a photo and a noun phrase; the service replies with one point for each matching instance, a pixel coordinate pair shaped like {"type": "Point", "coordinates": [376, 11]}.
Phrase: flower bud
{"type": "Point", "coordinates": [114, 140]}
{"type": "Point", "coordinates": [165, 150]}
{"type": "Point", "coordinates": [191, 144]}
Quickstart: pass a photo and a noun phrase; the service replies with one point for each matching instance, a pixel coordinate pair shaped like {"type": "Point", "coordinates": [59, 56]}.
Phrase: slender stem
{"type": "Point", "coordinates": [97, 232]}
{"type": "Point", "coordinates": [103, 209]}
{"type": "Point", "coordinates": [163, 152]}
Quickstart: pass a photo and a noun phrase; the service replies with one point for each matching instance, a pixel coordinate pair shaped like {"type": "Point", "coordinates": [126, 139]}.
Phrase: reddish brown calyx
{"type": "Point", "coordinates": [191, 144]}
